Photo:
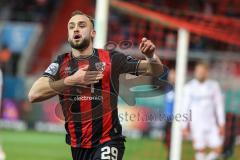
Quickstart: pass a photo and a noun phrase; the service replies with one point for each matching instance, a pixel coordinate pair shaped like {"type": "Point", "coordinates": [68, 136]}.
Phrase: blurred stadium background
{"type": "Point", "coordinates": [32, 32]}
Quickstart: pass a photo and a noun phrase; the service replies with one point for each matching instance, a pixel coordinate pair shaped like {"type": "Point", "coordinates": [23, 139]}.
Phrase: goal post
{"type": "Point", "coordinates": [101, 23]}
{"type": "Point", "coordinates": [181, 66]}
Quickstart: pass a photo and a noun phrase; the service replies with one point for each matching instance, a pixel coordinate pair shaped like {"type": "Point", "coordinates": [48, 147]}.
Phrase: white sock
{"type": "Point", "coordinates": [200, 156]}
{"type": "Point", "coordinates": [212, 156]}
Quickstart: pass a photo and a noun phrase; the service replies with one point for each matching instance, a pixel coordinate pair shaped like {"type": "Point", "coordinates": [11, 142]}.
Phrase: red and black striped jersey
{"type": "Point", "coordinates": [90, 112]}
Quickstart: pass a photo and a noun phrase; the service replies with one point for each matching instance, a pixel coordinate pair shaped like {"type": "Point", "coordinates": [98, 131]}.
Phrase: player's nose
{"type": "Point", "coordinates": [76, 30]}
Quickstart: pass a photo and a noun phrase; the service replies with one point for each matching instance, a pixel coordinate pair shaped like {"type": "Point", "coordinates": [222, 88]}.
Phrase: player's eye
{"type": "Point", "coordinates": [71, 27]}
{"type": "Point", "coordinates": [82, 25]}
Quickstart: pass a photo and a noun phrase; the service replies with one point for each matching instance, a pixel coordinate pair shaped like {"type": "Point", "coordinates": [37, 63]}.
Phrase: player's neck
{"type": "Point", "coordinates": [83, 53]}
{"type": "Point", "coordinates": [202, 80]}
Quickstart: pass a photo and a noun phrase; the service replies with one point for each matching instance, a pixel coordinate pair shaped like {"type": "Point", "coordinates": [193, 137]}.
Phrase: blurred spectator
{"type": "Point", "coordinates": [5, 10]}
{"type": "Point", "coordinates": [196, 43]}
{"type": "Point", "coordinates": [5, 55]}
{"type": "Point", "coordinates": [27, 10]}
{"type": "Point", "coordinates": [170, 41]}
{"type": "Point", "coordinates": [134, 27]}
{"type": "Point", "coordinates": [208, 10]}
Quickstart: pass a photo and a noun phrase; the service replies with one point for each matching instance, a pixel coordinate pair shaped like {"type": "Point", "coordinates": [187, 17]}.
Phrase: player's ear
{"type": "Point", "coordinates": [93, 33]}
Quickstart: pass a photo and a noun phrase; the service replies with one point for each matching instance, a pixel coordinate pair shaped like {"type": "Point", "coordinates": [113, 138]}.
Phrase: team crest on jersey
{"type": "Point", "coordinates": [100, 66]}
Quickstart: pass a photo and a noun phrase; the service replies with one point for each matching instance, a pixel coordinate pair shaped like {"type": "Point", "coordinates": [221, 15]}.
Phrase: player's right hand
{"type": "Point", "coordinates": [222, 130]}
{"type": "Point", "coordinates": [84, 77]}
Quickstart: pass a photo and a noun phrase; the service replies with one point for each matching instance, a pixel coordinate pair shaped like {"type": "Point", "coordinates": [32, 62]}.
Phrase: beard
{"type": "Point", "coordinates": [80, 46]}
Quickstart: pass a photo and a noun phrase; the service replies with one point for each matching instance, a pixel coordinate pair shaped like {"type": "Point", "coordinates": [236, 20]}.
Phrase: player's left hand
{"type": "Point", "coordinates": [147, 47]}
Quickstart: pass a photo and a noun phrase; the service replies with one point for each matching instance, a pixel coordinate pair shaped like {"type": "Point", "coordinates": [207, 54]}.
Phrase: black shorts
{"type": "Point", "coordinates": [112, 150]}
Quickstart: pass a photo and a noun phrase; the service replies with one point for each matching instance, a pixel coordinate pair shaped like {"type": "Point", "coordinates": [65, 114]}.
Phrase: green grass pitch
{"type": "Point", "coordinates": [33, 145]}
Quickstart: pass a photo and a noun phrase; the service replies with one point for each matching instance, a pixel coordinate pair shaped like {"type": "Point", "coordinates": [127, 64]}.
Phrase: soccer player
{"type": "Point", "coordinates": [204, 98]}
{"type": "Point", "coordinates": [86, 80]}
{"type": "Point", "coordinates": [2, 153]}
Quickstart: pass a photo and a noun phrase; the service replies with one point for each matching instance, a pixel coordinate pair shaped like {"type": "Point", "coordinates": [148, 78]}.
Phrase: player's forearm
{"type": "Point", "coordinates": [155, 67]}
{"type": "Point", "coordinates": [152, 67]}
{"type": "Point", "coordinates": [44, 89]}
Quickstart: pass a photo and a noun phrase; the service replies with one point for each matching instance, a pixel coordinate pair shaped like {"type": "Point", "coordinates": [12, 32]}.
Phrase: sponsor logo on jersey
{"type": "Point", "coordinates": [52, 69]}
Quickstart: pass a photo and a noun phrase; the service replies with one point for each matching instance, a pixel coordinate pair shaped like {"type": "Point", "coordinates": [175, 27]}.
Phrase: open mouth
{"type": "Point", "coordinates": [76, 37]}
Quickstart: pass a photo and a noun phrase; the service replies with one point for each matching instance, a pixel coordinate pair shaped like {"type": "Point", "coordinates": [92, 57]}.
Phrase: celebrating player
{"type": "Point", "coordinates": [91, 115]}
{"type": "Point", "coordinates": [204, 98]}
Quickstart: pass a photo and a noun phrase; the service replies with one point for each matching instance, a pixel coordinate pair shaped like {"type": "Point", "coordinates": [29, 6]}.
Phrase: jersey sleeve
{"type": "Point", "coordinates": [53, 70]}
{"type": "Point", "coordinates": [124, 63]}
{"type": "Point", "coordinates": [219, 104]}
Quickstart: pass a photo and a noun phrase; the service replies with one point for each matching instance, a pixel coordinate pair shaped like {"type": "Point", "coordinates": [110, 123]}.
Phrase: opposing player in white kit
{"type": "Point", "coordinates": [2, 154]}
{"type": "Point", "coordinates": [204, 98]}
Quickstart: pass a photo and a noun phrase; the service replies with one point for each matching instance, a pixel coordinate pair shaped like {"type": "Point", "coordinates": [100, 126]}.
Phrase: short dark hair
{"type": "Point", "coordinates": [205, 64]}
{"type": "Point", "coordinates": [78, 12]}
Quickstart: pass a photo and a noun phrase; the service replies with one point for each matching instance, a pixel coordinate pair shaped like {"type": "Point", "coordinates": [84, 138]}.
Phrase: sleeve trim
{"type": "Point", "coordinates": [45, 75]}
